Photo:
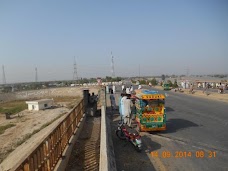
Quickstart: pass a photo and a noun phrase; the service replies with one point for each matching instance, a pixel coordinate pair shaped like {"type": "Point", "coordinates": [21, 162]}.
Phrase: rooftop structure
{"type": "Point", "coordinates": [40, 104]}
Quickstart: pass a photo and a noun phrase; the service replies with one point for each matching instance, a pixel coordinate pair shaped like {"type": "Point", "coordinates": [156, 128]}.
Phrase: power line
{"type": "Point", "coordinates": [3, 75]}
{"type": "Point", "coordinates": [113, 71]}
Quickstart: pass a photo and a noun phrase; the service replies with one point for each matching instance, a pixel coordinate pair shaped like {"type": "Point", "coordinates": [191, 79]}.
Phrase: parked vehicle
{"type": "Point", "coordinates": [123, 132]}
{"type": "Point", "coordinates": [150, 110]}
{"type": "Point", "coordinates": [166, 86]}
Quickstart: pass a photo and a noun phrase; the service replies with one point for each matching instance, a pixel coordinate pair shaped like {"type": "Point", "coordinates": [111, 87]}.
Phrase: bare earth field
{"type": "Point", "coordinates": [199, 93]}
{"type": "Point", "coordinates": [25, 125]}
{"type": "Point", "coordinates": [29, 127]}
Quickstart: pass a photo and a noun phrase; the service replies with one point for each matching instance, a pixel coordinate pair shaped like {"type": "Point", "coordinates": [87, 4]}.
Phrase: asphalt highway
{"type": "Point", "coordinates": [196, 138]}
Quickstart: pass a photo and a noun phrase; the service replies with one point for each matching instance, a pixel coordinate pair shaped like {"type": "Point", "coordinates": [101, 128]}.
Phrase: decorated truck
{"type": "Point", "coordinates": [150, 110]}
{"type": "Point", "coordinates": [166, 86]}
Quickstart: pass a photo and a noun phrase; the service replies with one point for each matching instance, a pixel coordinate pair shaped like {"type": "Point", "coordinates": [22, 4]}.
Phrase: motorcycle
{"type": "Point", "coordinates": [123, 132]}
{"type": "Point", "coordinates": [220, 90]}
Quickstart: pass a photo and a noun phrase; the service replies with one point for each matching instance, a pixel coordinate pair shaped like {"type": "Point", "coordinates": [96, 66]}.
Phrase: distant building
{"type": "Point", "coordinates": [40, 104]}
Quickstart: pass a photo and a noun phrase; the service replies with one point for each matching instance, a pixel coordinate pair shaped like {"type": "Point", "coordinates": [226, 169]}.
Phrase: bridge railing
{"type": "Point", "coordinates": [50, 150]}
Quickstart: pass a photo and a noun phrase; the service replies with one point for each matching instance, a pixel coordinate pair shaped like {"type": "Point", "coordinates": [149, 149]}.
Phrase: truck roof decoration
{"type": "Point", "coordinates": [148, 94]}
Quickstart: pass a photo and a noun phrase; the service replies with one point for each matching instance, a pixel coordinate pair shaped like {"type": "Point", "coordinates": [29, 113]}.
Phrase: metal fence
{"type": "Point", "coordinates": [50, 150]}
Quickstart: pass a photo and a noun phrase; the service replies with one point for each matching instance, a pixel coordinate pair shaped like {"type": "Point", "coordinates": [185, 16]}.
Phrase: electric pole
{"type": "Point", "coordinates": [36, 76]}
{"type": "Point", "coordinates": [112, 64]}
{"type": "Point", "coordinates": [3, 75]}
{"type": "Point", "coordinates": [75, 75]}
{"type": "Point", "coordinates": [139, 70]}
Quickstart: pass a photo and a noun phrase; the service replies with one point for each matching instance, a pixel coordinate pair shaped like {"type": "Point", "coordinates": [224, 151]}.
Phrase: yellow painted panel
{"type": "Point", "coordinates": [154, 96]}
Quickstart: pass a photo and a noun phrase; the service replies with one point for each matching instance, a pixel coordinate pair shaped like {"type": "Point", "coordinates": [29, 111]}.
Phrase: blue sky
{"type": "Point", "coordinates": [160, 36]}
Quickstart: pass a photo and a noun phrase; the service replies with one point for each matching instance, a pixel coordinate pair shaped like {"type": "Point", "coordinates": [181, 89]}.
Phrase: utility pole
{"type": "Point", "coordinates": [112, 64]}
{"type": "Point", "coordinates": [36, 76]}
{"type": "Point", "coordinates": [3, 75]}
{"type": "Point", "coordinates": [75, 75]}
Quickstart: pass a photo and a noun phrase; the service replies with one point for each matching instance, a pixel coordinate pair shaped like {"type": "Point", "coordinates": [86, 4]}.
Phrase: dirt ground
{"type": "Point", "coordinates": [199, 93]}
{"type": "Point", "coordinates": [30, 127]}
{"type": "Point", "coordinates": [25, 125]}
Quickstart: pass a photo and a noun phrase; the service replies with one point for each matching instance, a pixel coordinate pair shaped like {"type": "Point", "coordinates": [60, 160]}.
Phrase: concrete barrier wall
{"type": "Point", "coordinates": [107, 156]}
{"type": "Point", "coordinates": [103, 142]}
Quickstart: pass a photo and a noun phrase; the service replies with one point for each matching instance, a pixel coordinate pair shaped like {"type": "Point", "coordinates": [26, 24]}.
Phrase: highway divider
{"type": "Point", "coordinates": [107, 156]}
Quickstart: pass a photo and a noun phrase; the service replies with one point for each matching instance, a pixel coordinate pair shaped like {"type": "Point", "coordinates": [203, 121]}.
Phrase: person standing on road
{"type": "Point", "coordinates": [206, 87]}
{"type": "Point", "coordinates": [107, 89]}
{"type": "Point", "coordinates": [128, 90]}
{"type": "Point", "coordinates": [112, 100]}
{"type": "Point", "coordinates": [191, 88]}
{"type": "Point", "coordinates": [120, 105]}
{"type": "Point", "coordinates": [126, 101]}
{"type": "Point", "coordinates": [122, 87]}
{"type": "Point", "coordinates": [114, 88]}
{"type": "Point", "coordinates": [220, 89]}
{"type": "Point", "coordinates": [139, 87]}
{"type": "Point", "coordinates": [92, 98]}
{"type": "Point", "coordinates": [130, 110]}
{"type": "Point", "coordinates": [131, 88]}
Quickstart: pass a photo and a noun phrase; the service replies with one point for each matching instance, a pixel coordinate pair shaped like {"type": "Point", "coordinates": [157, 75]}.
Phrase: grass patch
{"type": "Point", "coordinates": [12, 107]}
{"type": "Point", "coordinates": [69, 100]}
{"type": "Point", "coordinates": [5, 127]}
{"type": "Point", "coordinates": [65, 98]}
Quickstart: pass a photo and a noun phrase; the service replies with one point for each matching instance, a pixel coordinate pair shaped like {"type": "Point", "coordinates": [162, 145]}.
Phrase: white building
{"type": "Point", "coordinates": [40, 104]}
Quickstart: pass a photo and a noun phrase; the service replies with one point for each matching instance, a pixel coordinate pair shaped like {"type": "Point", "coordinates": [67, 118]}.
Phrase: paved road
{"type": "Point", "coordinates": [196, 138]}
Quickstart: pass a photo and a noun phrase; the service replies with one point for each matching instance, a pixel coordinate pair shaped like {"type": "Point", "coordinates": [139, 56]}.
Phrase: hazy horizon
{"type": "Point", "coordinates": [145, 38]}
{"type": "Point", "coordinates": [182, 76]}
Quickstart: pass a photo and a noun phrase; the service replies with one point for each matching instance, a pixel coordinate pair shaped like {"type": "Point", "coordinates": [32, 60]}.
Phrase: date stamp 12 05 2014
{"type": "Point", "coordinates": [184, 154]}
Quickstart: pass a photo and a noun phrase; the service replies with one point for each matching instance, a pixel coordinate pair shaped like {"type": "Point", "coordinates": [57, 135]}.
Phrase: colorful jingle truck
{"type": "Point", "coordinates": [166, 86]}
{"type": "Point", "coordinates": [150, 110]}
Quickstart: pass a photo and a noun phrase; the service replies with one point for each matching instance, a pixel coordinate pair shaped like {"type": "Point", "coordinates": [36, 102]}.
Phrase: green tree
{"type": "Point", "coordinates": [108, 79]}
{"type": "Point", "coordinates": [175, 84]}
{"type": "Point", "coordinates": [118, 78]}
{"type": "Point", "coordinates": [35, 86]}
{"type": "Point", "coordinates": [163, 77]}
{"type": "Point", "coordinates": [92, 80]}
{"type": "Point", "coordinates": [142, 82]}
{"type": "Point", "coordinates": [7, 89]}
{"type": "Point", "coordinates": [133, 81]}
{"type": "Point", "coordinates": [170, 83]}
{"type": "Point", "coordinates": [154, 82]}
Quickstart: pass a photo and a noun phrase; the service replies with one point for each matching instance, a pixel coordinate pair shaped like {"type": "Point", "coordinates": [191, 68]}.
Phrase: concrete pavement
{"type": "Point", "coordinates": [127, 158]}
